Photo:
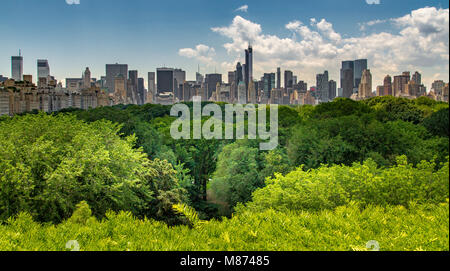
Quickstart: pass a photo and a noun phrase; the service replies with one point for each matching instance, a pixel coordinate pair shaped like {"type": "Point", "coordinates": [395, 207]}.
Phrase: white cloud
{"type": "Point", "coordinates": [73, 2]}
{"type": "Point", "coordinates": [419, 41]}
{"type": "Point", "coordinates": [363, 26]}
{"type": "Point", "coordinates": [243, 8]}
{"type": "Point", "coordinates": [373, 2]}
{"type": "Point", "coordinates": [201, 52]}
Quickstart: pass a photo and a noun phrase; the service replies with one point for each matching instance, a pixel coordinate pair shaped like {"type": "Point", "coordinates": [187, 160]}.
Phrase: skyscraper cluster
{"type": "Point", "coordinates": [167, 85]}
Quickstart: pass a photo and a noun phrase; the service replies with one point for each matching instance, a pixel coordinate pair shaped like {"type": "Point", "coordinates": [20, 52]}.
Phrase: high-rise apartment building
{"type": "Point", "coordinates": [365, 86]}
{"type": "Point", "coordinates": [242, 93]}
{"type": "Point", "coordinates": [387, 86]}
{"type": "Point", "coordinates": [322, 86]}
{"type": "Point", "coordinates": [438, 87]}
{"type": "Point", "coordinates": [417, 78]}
{"type": "Point", "coordinates": [248, 65]}
{"type": "Point", "coordinates": [400, 82]}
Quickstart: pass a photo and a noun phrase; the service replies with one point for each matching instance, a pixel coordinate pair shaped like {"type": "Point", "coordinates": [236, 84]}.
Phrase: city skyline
{"type": "Point", "coordinates": [218, 45]}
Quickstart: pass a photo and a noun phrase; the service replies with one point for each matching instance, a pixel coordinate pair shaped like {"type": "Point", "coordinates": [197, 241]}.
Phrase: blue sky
{"type": "Point", "coordinates": [148, 34]}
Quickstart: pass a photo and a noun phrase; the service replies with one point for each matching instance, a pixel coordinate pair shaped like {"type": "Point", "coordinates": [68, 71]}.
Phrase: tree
{"type": "Point", "coordinates": [236, 175]}
{"type": "Point", "coordinates": [48, 164]}
{"type": "Point", "coordinates": [438, 123]}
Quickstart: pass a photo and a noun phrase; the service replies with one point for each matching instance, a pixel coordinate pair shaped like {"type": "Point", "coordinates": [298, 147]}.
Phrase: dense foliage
{"type": "Point", "coordinates": [344, 173]}
{"type": "Point", "coordinates": [364, 184]}
{"type": "Point", "coordinates": [422, 227]}
{"type": "Point", "coordinates": [50, 163]}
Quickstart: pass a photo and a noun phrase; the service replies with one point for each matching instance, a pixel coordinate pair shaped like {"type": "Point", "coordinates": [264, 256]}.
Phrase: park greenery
{"type": "Point", "coordinates": [113, 178]}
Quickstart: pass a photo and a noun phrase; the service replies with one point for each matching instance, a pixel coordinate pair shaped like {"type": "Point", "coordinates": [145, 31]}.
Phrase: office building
{"type": "Point", "coordinates": [43, 69]}
{"type": "Point", "coordinates": [165, 80]}
{"type": "Point", "coordinates": [151, 87]}
{"type": "Point", "coordinates": [347, 82]}
{"type": "Point", "coordinates": [359, 66]}
{"type": "Point", "coordinates": [141, 91]}
{"type": "Point", "coordinates": [278, 78]}
{"type": "Point", "coordinates": [17, 68]}
{"type": "Point", "coordinates": [113, 71]}
{"type": "Point", "coordinates": [332, 89]}
{"type": "Point", "coordinates": [288, 79]}
{"type": "Point", "coordinates": [268, 83]}
{"type": "Point", "coordinates": [211, 83]}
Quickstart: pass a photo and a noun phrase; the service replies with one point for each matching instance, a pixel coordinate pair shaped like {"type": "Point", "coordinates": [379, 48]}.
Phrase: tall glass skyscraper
{"type": "Point", "coordinates": [165, 80]}
{"type": "Point", "coordinates": [347, 82]}
{"type": "Point", "coordinates": [359, 66]}
{"type": "Point", "coordinates": [17, 68]}
{"type": "Point", "coordinates": [43, 69]}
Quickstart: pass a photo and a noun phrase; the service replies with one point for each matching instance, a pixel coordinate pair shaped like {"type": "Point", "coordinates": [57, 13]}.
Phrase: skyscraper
{"type": "Point", "coordinates": [332, 89]}
{"type": "Point", "coordinates": [231, 77]}
{"type": "Point", "coordinates": [151, 87]}
{"type": "Point", "coordinates": [141, 91]}
{"type": "Point", "coordinates": [211, 83]}
{"type": "Point", "coordinates": [113, 71]}
{"type": "Point", "coordinates": [359, 66]}
{"type": "Point", "coordinates": [269, 83]}
{"type": "Point", "coordinates": [248, 65]}
{"type": "Point", "coordinates": [322, 86]}
{"type": "Point", "coordinates": [387, 86]}
{"type": "Point", "coordinates": [438, 87]}
{"type": "Point", "coordinates": [199, 78]}
{"type": "Point", "coordinates": [242, 93]}
{"type": "Point", "coordinates": [43, 69]}
{"type": "Point", "coordinates": [133, 86]}
{"type": "Point", "coordinates": [252, 96]}
{"type": "Point", "coordinates": [179, 76]}
{"type": "Point", "coordinates": [239, 73]}
{"type": "Point", "coordinates": [165, 80]}
{"type": "Point", "coordinates": [400, 82]}
{"type": "Point", "coordinates": [17, 68]}
{"type": "Point", "coordinates": [278, 78]}
{"type": "Point", "coordinates": [347, 83]}
{"type": "Point", "coordinates": [86, 78]}
{"type": "Point", "coordinates": [417, 78]}
{"type": "Point", "coordinates": [365, 86]}
{"type": "Point", "coordinates": [288, 80]}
